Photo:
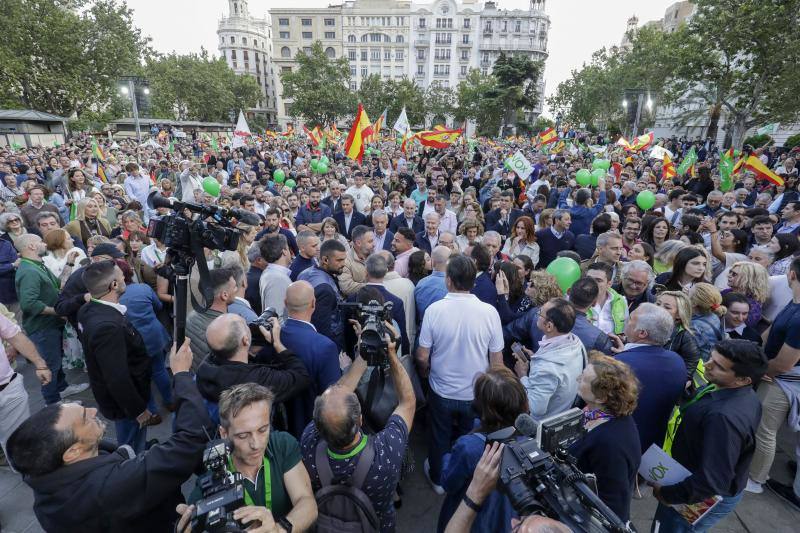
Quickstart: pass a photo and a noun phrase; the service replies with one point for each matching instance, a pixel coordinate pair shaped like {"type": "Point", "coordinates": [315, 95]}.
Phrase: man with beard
{"type": "Point", "coordinates": [272, 226]}
{"type": "Point", "coordinates": [327, 319]}
{"type": "Point", "coordinates": [311, 215]}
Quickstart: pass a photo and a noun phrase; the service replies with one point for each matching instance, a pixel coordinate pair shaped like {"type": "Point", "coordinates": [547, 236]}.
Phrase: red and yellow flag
{"type": "Point", "coordinates": [359, 132]}
{"type": "Point", "coordinates": [289, 131]}
{"type": "Point", "coordinates": [376, 128]}
{"type": "Point", "coordinates": [438, 137]}
{"type": "Point", "coordinates": [313, 135]}
{"type": "Point", "coordinates": [668, 169]}
{"type": "Point", "coordinates": [548, 136]}
{"type": "Point", "coordinates": [642, 142]}
{"type": "Point", "coordinates": [754, 164]}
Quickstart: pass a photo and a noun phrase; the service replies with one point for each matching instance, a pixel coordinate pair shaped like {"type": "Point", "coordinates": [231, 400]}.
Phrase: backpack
{"type": "Point", "coordinates": [343, 507]}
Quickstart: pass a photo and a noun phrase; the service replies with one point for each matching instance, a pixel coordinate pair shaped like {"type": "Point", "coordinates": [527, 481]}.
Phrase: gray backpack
{"type": "Point", "coordinates": [344, 507]}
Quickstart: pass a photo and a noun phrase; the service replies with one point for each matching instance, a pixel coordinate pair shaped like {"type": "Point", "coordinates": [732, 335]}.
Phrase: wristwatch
{"type": "Point", "coordinates": [285, 524]}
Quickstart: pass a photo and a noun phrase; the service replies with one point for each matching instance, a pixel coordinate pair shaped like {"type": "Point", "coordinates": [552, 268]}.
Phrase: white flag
{"type": "Point", "coordinates": [768, 129]}
{"type": "Point", "coordinates": [657, 152]}
{"type": "Point", "coordinates": [401, 125]}
{"type": "Point", "coordinates": [241, 133]}
{"type": "Point", "coordinates": [520, 165]}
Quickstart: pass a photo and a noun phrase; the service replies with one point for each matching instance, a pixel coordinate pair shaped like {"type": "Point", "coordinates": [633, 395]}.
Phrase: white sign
{"type": "Point", "coordinates": [658, 467]}
{"type": "Point", "coordinates": [520, 165]}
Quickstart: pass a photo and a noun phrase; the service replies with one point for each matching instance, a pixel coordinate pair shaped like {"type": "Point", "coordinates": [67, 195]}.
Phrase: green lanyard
{"type": "Point", "coordinates": [46, 271]}
{"type": "Point", "coordinates": [248, 499]}
{"type": "Point", "coordinates": [352, 453]}
{"type": "Point", "coordinates": [708, 389]}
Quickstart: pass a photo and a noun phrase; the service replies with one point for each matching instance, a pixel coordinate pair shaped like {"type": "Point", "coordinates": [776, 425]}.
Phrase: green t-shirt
{"type": "Point", "coordinates": [283, 453]}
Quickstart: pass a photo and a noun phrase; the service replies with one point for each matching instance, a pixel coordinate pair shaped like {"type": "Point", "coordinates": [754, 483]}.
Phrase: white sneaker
{"type": "Point", "coordinates": [427, 469]}
{"type": "Point", "coordinates": [74, 389]}
{"type": "Point", "coordinates": [754, 486]}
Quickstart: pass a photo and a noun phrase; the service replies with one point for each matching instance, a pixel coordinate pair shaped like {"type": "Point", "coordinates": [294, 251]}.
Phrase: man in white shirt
{"type": "Point", "coordinates": [454, 352]}
{"type": "Point", "coordinates": [361, 193]}
{"type": "Point", "coordinates": [276, 278]}
{"type": "Point", "coordinates": [448, 221]}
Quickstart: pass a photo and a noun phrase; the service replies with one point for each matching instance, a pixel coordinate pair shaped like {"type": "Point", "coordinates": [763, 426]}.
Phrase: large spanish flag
{"type": "Point", "coordinates": [548, 136]}
{"type": "Point", "coordinates": [667, 169]}
{"type": "Point", "coordinates": [642, 142]}
{"type": "Point", "coordinates": [438, 137]}
{"type": "Point", "coordinates": [361, 129]}
{"type": "Point", "coordinates": [754, 164]}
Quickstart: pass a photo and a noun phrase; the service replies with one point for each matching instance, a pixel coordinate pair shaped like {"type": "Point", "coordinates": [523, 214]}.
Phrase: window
{"type": "Point", "coordinates": [351, 55]}
{"type": "Point", "coordinates": [363, 55]}
{"type": "Point", "coordinates": [330, 52]}
{"type": "Point", "coordinates": [375, 55]}
{"type": "Point", "coordinates": [387, 55]}
{"type": "Point", "coordinates": [464, 55]}
{"type": "Point", "coordinates": [399, 55]}
{"type": "Point", "coordinates": [387, 39]}
{"type": "Point", "coordinates": [233, 55]}
{"type": "Point", "coordinates": [421, 53]}
{"type": "Point", "coordinates": [363, 72]}
{"type": "Point", "coordinates": [398, 39]}
{"type": "Point", "coordinates": [285, 70]}
{"type": "Point", "coordinates": [443, 38]}
{"type": "Point", "coordinates": [306, 49]}
{"type": "Point", "coordinates": [420, 70]}
{"type": "Point", "coordinates": [441, 70]}
{"type": "Point", "coordinates": [442, 54]}
{"type": "Point", "coordinates": [518, 26]}
{"type": "Point", "coordinates": [284, 34]}
{"type": "Point", "coordinates": [244, 41]}
{"type": "Point", "coordinates": [422, 23]}
{"type": "Point", "coordinates": [488, 27]}
{"type": "Point", "coordinates": [307, 35]}
{"type": "Point", "coordinates": [245, 56]}
{"type": "Point", "coordinates": [351, 38]}
{"type": "Point", "coordinates": [246, 65]}
{"type": "Point", "coordinates": [463, 70]}
{"type": "Point", "coordinates": [330, 35]}
{"type": "Point", "coordinates": [364, 38]}
{"type": "Point", "coordinates": [505, 26]}
{"type": "Point", "coordinates": [255, 43]}
{"type": "Point", "coordinates": [485, 57]}
{"type": "Point", "coordinates": [467, 23]}
{"type": "Point", "coordinates": [285, 52]}
{"type": "Point", "coordinates": [465, 38]}
{"type": "Point", "coordinates": [235, 66]}
{"type": "Point", "coordinates": [353, 86]}
{"type": "Point", "coordinates": [352, 72]}
{"type": "Point", "coordinates": [305, 22]}
{"type": "Point", "coordinates": [233, 39]}
{"type": "Point", "coordinates": [283, 22]}
{"type": "Point", "coordinates": [330, 22]}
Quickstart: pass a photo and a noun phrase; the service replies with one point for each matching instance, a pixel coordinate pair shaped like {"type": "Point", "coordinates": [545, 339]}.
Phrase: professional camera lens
{"type": "Point", "coordinates": [521, 497]}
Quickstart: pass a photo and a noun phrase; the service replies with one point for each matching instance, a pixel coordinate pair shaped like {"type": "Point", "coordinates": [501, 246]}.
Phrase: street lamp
{"type": "Point", "coordinates": [625, 103]}
{"type": "Point", "coordinates": [123, 90]}
{"type": "Point", "coordinates": [130, 89]}
{"type": "Point", "coordinates": [649, 103]}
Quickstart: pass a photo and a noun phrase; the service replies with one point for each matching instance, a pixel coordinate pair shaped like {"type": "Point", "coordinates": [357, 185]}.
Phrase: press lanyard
{"type": "Point", "coordinates": [248, 499]}
{"type": "Point", "coordinates": [352, 453]}
{"type": "Point", "coordinates": [705, 390]}
{"type": "Point", "coordinates": [44, 269]}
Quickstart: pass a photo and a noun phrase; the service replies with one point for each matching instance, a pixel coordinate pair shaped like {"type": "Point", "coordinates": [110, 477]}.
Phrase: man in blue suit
{"type": "Point", "coordinates": [408, 218]}
{"type": "Point", "coordinates": [319, 354]}
{"type": "Point", "coordinates": [348, 218]}
{"type": "Point", "coordinates": [661, 373]}
{"type": "Point", "coordinates": [383, 237]}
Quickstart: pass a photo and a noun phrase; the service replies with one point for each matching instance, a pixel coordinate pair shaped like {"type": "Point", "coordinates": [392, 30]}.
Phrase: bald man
{"type": "Point", "coordinates": [230, 344]}
{"type": "Point", "coordinates": [319, 353]}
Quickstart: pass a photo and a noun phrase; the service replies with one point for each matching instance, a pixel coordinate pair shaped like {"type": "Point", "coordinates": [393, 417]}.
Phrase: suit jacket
{"type": "Point", "coordinates": [116, 360]}
{"type": "Point", "coordinates": [358, 219]}
{"type": "Point", "coordinates": [400, 221]}
{"type": "Point", "coordinates": [387, 241]}
{"type": "Point", "coordinates": [662, 374]}
{"type": "Point", "coordinates": [334, 205]}
{"type": "Point", "coordinates": [423, 242]}
{"type": "Point", "coordinates": [493, 222]}
{"type": "Point", "coordinates": [252, 293]}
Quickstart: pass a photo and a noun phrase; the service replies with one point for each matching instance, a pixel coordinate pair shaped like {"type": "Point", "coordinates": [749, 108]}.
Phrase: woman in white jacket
{"type": "Point", "coordinates": [523, 240]}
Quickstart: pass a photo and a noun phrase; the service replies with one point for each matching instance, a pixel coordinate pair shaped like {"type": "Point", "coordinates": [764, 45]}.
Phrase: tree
{"type": "Point", "coordinates": [376, 95]}
{"type": "Point", "coordinates": [319, 87]}
{"type": "Point", "coordinates": [477, 100]}
{"type": "Point", "coordinates": [409, 95]}
{"type": "Point", "coordinates": [517, 84]}
{"type": "Point", "coordinates": [66, 56]}
{"type": "Point", "coordinates": [439, 102]}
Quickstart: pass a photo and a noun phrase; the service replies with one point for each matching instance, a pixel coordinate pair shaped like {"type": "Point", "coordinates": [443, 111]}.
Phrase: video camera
{"type": "Point", "coordinates": [223, 492]}
{"type": "Point", "coordinates": [539, 477]}
{"type": "Point", "coordinates": [371, 316]}
{"type": "Point", "coordinates": [263, 320]}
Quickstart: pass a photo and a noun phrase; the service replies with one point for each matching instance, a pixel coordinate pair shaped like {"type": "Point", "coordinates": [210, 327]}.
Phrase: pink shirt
{"type": "Point", "coordinates": [7, 330]}
{"type": "Point", "coordinates": [401, 262]}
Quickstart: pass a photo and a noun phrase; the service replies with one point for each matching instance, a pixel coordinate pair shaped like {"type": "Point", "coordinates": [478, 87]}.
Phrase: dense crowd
{"type": "Point", "coordinates": [680, 326]}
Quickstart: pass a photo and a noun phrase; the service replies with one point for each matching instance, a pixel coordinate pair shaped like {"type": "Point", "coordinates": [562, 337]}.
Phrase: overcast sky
{"type": "Point", "coordinates": [578, 27]}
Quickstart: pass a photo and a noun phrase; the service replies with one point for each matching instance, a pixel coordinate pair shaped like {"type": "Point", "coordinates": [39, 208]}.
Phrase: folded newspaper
{"type": "Point", "coordinates": [659, 468]}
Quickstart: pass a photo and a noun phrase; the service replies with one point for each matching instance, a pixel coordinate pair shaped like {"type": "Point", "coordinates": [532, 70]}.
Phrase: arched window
{"type": "Point", "coordinates": [387, 39]}
{"type": "Point", "coordinates": [285, 52]}
{"type": "Point", "coordinates": [398, 39]}
{"type": "Point", "coordinates": [330, 52]}
{"type": "Point", "coordinates": [364, 38]}
{"type": "Point", "coordinates": [351, 38]}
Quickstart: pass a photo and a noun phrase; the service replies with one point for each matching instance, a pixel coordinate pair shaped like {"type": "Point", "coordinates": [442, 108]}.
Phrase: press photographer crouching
{"type": "Point", "coordinates": [277, 493]}
{"type": "Point", "coordinates": [337, 451]}
{"type": "Point", "coordinates": [229, 363]}
{"type": "Point", "coordinates": [83, 484]}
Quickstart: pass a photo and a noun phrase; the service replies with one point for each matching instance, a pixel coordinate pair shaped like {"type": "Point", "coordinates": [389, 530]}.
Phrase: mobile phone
{"type": "Point", "coordinates": [516, 348]}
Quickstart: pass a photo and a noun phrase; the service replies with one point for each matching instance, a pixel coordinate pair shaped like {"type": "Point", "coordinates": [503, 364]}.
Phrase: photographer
{"type": "Point", "coordinates": [276, 485]}
{"type": "Point", "coordinates": [82, 484]}
{"type": "Point", "coordinates": [337, 431]}
{"type": "Point", "coordinates": [230, 342]}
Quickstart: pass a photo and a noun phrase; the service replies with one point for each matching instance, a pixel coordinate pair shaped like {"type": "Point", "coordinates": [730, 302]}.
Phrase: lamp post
{"type": "Point", "coordinates": [129, 89]}
{"type": "Point", "coordinates": [639, 95]}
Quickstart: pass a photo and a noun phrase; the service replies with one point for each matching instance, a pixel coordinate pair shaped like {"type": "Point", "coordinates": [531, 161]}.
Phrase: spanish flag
{"type": "Point", "coordinates": [313, 135]}
{"type": "Point", "coordinates": [359, 132]}
{"type": "Point", "coordinates": [289, 131]}
{"type": "Point", "coordinates": [438, 137]}
{"type": "Point", "coordinates": [754, 164]}
{"type": "Point", "coordinates": [376, 128]}
{"type": "Point", "coordinates": [642, 142]}
{"type": "Point", "coordinates": [548, 136]}
{"type": "Point", "coordinates": [668, 169]}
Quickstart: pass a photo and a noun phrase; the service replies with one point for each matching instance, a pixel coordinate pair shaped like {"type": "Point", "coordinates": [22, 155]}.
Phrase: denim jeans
{"type": "Point", "coordinates": [48, 343]}
{"type": "Point", "coordinates": [444, 413]}
{"type": "Point", "coordinates": [671, 521]}
{"type": "Point", "coordinates": [129, 432]}
{"type": "Point", "coordinates": [162, 381]}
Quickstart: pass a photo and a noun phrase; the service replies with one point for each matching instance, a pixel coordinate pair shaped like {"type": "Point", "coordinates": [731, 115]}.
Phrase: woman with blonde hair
{"type": "Point", "coordinates": [682, 341]}
{"type": "Point", "coordinates": [546, 218]}
{"type": "Point", "coordinates": [470, 233]}
{"type": "Point", "coordinates": [106, 211]}
{"type": "Point", "coordinates": [239, 256]}
{"type": "Point", "coordinates": [665, 255]}
{"type": "Point", "coordinates": [752, 280]}
{"type": "Point", "coordinates": [88, 221]}
{"type": "Point", "coordinates": [707, 314]}
{"type": "Point", "coordinates": [542, 288]}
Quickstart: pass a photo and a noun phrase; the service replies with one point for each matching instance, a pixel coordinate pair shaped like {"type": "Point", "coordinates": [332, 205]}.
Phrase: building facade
{"type": "Point", "coordinates": [246, 44]}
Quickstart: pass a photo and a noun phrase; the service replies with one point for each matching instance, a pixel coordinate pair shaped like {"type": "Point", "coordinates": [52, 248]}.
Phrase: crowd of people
{"type": "Point", "coordinates": [681, 330]}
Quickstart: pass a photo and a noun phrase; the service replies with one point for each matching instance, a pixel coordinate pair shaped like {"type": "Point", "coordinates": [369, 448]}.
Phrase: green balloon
{"type": "Point", "coordinates": [324, 159]}
{"type": "Point", "coordinates": [367, 151]}
{"type": "Point", "coordinates": [596, 175]}
{"type": "Point", "coordinates": [583, 177]}
{"type": "Point", "coordinates": [290, 183]}
{"type": "Point", "coordinates": [211, 186]}
{"type": "Point", "coordinates": [645, 200]}
{"type": "Point", "coordinates": [376, 152]}
{"type": "Point", "coordinates": [279, 175]}
{"type": "Point", "coordinates": [566, 271]}
{"type": "Point", "coordinates": [322, 168]}
{"type": "Point", "coordinates": [314, 164]}
{"type": "Point", "coordinates": [601, 163]}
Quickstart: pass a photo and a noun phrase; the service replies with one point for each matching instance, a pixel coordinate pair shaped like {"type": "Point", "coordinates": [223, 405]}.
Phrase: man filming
{"type": "Point", "coordinates": [81, 484]}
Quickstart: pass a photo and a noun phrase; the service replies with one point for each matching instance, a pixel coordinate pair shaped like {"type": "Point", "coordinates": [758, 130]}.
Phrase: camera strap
{"type": "Point", "coordinates": [248, 498]}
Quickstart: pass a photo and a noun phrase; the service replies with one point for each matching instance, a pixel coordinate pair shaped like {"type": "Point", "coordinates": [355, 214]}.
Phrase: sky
{"type": "Point", "coordinates": [577, 27]}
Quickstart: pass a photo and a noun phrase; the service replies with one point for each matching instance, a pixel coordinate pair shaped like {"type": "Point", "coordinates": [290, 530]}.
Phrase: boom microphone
{"type": "Point", "coordinates": [155, 201]}
{"type": "Point", "coordinates": [526, 425]}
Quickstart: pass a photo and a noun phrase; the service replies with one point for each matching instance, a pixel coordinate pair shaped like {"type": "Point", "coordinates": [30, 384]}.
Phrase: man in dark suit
{"type": "Point", "coordinates": [428, 239]}
{"type": "Point", "coordinates": [319, 354]}
{"type": "Point", "coordinates": [738, 307]}
{"type": "Point", "coordinates": [257, 266]}
{"type": "Point", "coordinates": [383, 237]}
{"type": "Point", "coordinates": [334, 201]}
{"type": "Point", "coordinates": [408, 218]}
{"type": "Point", "coordinates": [326, 317]}
{"type": "Point", "coordinates": [116, 357]}
{"type": "Point", "coordinates": [503, 218]}
{"type": "Point", "coordinates": [662, 373]}
{"type": "Point", "coordinates": [348, 218]}
{"type": "Point", "coordinates": [272, 226]}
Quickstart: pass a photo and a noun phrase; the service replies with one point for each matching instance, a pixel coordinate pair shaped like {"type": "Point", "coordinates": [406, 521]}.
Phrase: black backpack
{"type": "Point", "coordinates": [344, 507]}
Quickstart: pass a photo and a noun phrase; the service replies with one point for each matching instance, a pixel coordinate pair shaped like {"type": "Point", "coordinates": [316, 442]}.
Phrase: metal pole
{"type": "Point", "coordinates": [132, 90]}
{"type": "Point", "coordinates": [639, 101]}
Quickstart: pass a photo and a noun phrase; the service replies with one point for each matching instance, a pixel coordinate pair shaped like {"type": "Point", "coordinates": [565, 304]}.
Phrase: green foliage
{"type": "Point", "coordinates": [517, 84]}
{"type": "Point", "coordinates": [375, 94]}
{"type": "Point", "coordinates": [378, 94]}
{"type": "Point", "coordinates": [319, 87]}
{"type": "Point", "coordinates": [65, 56]}
{"type": "Point", "coordinates": [792, 141]}
{"type": "Point", "coordinates": [477, 100]}
{"type": "Point", "coordinates": [542, 123]}
{"type": "Point", "coordinates": [757, 141]}
{"type": "Point", "coordinates": [440, 101]}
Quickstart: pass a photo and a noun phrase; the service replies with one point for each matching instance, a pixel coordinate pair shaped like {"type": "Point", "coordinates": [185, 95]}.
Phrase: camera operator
{"type": "Point", "coordinates": [276, 485]}
{"type": "Point", "coordinates": [337, 431]}
{"type": "Point", "coordinates": [223, 287]}
{"type": "Point", "coordinates": [81, 484]}
{"type": "Point", "coordinates": [230, 342]}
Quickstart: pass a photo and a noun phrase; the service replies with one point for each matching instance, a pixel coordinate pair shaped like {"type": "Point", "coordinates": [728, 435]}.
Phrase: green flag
{"type": "Point", "coordinates": [171, 148]}
{"type": "Point", "coordinates": [688, 160]}
{"type": "Point", "coordinates": [16, 146]}
{"type": "Point", "coordinates": [726, 170]}
{"type": "Point", "coordinates": [214, 145]}
{"type": "Point", "coordinates": [56, 143]}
